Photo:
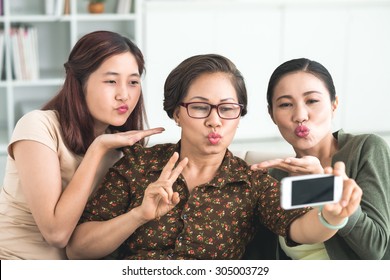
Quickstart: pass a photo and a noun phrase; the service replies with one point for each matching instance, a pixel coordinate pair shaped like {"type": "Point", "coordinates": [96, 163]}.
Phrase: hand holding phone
{"type": "Point", "coordinates": [310, 190]}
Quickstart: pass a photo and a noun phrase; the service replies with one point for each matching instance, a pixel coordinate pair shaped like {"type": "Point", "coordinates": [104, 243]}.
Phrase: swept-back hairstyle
{"type": "Point", "coordinates": [180, 79]}
{"type": "Point", "coordinates": [86, 57]}
{"type": "Point", "coordinates": [297, 65]}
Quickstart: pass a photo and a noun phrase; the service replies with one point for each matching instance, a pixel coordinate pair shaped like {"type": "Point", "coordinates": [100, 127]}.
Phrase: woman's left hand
{"type": "Point", "coordinates": [294, 166]}
{"type": "Point", "coordinates": [350, 200]}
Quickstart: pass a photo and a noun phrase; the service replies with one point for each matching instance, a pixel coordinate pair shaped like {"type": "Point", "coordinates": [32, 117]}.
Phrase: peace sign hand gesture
{"type": "Point", "coordinates": [159, 197]}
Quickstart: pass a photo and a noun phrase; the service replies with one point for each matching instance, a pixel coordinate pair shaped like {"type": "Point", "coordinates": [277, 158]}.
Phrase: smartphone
{"type": "Point", "coordinates": [310, 190]}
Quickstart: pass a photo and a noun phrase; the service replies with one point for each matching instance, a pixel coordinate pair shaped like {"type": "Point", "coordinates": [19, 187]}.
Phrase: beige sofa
{"type": "Point", "coordinates": [252, 157]}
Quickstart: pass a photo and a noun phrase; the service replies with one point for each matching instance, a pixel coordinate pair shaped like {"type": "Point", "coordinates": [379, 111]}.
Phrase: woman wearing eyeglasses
{"type": "Point", "coordinates": [194, 199]}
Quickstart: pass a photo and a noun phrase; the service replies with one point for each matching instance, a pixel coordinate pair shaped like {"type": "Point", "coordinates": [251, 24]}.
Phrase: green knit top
{"type": "Point", "coordinates": [367, 161]}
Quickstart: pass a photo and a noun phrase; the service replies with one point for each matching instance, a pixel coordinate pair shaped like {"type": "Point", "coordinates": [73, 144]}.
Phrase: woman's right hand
{"type": "Point", "coordinates": [159, 197]}
{"type": "Point", "coordinates": [294, 166]}
{"type": "Point", "coordinates": [127, 138]}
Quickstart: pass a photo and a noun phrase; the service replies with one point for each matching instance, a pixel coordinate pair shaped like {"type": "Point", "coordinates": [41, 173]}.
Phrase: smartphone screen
{"type": "Point", "coordinates": [312, 190]}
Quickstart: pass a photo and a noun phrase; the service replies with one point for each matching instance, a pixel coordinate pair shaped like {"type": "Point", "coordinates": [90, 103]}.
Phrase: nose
{"type": "Point", "coordinates": [213, 120]}
{"type": "Point", "coordinates": [300, 114]}
{"type": "Point", "coordinates": [122, 93]}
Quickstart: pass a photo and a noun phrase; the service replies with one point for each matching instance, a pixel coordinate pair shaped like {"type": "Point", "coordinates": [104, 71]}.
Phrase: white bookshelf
{"type": "Point", "coordinates": [57, 33]}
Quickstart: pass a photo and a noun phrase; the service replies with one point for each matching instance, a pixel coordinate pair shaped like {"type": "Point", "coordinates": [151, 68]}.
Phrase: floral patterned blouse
{"type": "Point", "coordinates": [215, 221]}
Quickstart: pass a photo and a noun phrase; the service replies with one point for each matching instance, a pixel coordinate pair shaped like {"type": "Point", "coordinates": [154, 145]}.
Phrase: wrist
{"type": "Point", "coordinates": [97, 148]}
{"type": "Point", "coordinates": [139, 218]}
{"type": "Point", "coordinates": [325, 223]}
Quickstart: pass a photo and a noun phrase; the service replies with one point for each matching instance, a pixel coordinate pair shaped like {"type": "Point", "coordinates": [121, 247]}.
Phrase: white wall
{"type": "Point", "coordinates": [351, 38]}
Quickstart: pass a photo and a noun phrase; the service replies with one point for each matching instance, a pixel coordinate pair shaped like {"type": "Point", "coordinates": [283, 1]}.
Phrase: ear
{"type": "Point", "coordinates": [270, 112]}
{"type": "Point", "coordinates": [176, 116]}
{"type": "Point", "coordinates": [335, 105]}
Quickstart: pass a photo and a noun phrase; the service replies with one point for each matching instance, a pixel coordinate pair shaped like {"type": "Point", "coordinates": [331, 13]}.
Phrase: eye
{"type": "Point", "coordinates": [285, 105]}
{"type": "Point", "coordinates": [199, 107]}
{"type": "Point", "coordinates": [134, 83]}
{"type": "Point", "coordinates": [110, 82]}
{"type": "Point", "coordinates": [227, 108]}
{"type": "Point", "coordinates": [312, 101]}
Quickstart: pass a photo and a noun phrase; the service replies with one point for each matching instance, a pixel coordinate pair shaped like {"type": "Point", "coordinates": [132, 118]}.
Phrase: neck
{"type": "Point", "coordinates": [201, 167]}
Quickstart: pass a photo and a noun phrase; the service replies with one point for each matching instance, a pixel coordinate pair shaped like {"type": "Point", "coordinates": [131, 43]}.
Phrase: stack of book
{"type": "Point", "coordinates": [24, 58]}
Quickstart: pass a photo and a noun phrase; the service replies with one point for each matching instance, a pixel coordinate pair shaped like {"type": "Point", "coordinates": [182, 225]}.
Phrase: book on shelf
{"type": "Point", "coordinates": [59, 7]}
{"type": "Point", "coordinates": [67, 7]}
{"type": "Point", "coordinates": [24, 58]}
{"type": "Point", "coordinates": [49, 7]}
{"type": "Point", "coordinates": [56, 7]}
{"type": "Point", "coordinates": [124, 6]}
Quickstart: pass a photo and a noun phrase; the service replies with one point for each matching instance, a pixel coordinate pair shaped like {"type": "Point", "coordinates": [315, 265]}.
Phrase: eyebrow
{"type": "Point", "coordinates": [304, 94]}
{"type": "Point", "coordinates": [206, 99]}
{"type": "Point", "coordinates": [117, 74]}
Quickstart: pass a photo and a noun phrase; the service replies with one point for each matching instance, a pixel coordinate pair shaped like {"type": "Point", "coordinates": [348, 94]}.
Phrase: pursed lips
{"type": "Point", "coordinates": [122, 109]}
{"type": "Point", "coordinates": [302, 131]}
{"type": "Point", "coordinates": [214, 138]}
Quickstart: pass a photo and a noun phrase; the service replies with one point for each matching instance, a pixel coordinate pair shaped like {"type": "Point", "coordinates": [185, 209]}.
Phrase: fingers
{"type": "Point", "coordinates": [356, 198]}
{"type": "Point", "coordinates": [292, 165]}
{"type": "Point", "coordinates": [177, 171]}
{"type": "Point", "coordinates": [168, 177]}
{"type": "Point", "coordinates": [266, 164]}
{"type": "Point", "coordinates": [169, 172]}
{"type": "Point", "coordinates": [350, 189]}
{"type": "Point", "coordinates": [175, 198]}
{"type": "Point", "coordinates": [328, 170]}
{"type": "Point", "coordinates": [149, 132]}
{"type": "Point", "coordinates": [339, 170]}
{"type": "Point", "coordinates": [161, 210]}
{"type": "Point", "coordinates": [347, 191]}
{"type": "Point", "coordinates": [352, 194]}
{"type": "Point", "coordinates": [136, 135]}
{"type": "Point", "coordinates": [159, 196]}
{"type": "Point", "coordinates": [158, 190]}
{"type": "Point", "coordinates": [349, 202]}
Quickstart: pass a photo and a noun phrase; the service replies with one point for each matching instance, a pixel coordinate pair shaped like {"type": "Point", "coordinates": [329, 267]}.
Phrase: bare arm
{"type": "Point", "coordinates": [57, 212]}
{"type": "Point", "coordinates": [93, 240]}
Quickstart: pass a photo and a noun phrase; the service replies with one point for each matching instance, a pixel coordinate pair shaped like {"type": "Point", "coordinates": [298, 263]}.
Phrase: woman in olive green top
{"type": "Point", "coordinates": [301, 102]}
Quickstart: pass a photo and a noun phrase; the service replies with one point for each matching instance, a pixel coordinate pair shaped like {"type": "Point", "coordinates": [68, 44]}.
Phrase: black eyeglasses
{"type": "Point", "coordinates": [201, 110]}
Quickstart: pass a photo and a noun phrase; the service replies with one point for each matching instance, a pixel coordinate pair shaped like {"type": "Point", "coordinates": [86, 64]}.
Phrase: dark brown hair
{"type": "Point", "coordinates": [86, 57]}
{"type": "Point", "coordinates": [296, 65]}
{"type": "Point", "coordinates": [180, 79]}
